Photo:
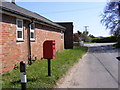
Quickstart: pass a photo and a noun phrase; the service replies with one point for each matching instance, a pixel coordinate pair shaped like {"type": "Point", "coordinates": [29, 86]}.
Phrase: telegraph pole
{"type": "Point", "coordinates": [86, 28]}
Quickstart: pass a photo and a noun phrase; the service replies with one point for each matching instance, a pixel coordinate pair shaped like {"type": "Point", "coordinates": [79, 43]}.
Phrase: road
{"type": "Point", "coordinates": [97, 69]}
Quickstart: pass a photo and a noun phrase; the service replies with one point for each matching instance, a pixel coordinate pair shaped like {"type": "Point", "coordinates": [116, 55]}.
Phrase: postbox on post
{"type": "Point", "coordinates": [49, 52]}
{"type": "Point", "coordinates": [49, 49]}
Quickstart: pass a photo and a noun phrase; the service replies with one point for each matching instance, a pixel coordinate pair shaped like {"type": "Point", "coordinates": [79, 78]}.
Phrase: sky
{"type": "Point", "coordinates": [80, 13]}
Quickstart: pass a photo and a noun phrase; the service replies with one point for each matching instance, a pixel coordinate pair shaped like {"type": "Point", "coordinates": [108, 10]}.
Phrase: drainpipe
{"type": "Point", "coordinates": [29, 44]}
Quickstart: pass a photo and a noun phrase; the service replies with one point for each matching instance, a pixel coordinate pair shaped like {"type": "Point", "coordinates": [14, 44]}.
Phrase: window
{"type": "Point", "coordinates": [32, 32]}
{"type": "Point", "coordinates": [19, 31]}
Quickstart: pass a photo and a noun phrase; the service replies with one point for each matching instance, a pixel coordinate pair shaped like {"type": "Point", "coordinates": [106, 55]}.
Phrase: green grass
{"type": "Point", "coordinates": [37, 72]}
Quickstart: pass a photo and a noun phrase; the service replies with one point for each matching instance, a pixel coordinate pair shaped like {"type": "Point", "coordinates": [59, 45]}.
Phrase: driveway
{"type": "Point", "coordinates": [97, 69]}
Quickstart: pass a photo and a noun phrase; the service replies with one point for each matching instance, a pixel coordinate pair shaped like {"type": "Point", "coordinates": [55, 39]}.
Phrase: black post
{"type": "Point", "coordinates": [49, 68]}
{"type": "Point", "coordinates": [23, 75]}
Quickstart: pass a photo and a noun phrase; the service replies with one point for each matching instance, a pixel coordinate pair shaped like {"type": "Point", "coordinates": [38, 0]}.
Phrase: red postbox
{"type": "Point", "coordinates": [49, 49]}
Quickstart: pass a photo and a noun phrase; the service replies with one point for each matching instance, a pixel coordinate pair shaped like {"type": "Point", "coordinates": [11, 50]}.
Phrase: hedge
{"type": "Point", "coordinates": [104, 39]}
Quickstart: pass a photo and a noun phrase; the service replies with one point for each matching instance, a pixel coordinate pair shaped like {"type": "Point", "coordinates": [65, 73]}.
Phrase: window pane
{"type": "Point", "coordinates": [19, 34]}
{"type": "Point", "coordinates": [32, 35]}
{"type": "Point", "coordinates": [19, 24]}
{"type": "Point", "coordinates": [32, 26]}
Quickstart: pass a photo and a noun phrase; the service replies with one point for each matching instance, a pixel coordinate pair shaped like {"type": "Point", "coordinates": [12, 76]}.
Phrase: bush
{"type": "Point", "coordinates": [117, 45]}
{"type": "Point", "coordinates": [105, 39]}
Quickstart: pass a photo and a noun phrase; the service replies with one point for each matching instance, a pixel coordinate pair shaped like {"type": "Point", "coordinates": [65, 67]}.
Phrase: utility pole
{"type": "Point", "coordinates": [86, 29]}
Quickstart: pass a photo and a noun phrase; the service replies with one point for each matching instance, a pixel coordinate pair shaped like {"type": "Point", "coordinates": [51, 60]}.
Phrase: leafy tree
{"type": "Point", "coordinates": [110, 16]}
{"type": "Point", "coordinates": [82, 36]}
{"type": "Point", "coordinates": [85, 33]}
{"type": "Point", "coordinates": [79, 32]}
{"type": "Point", "coordinates": [91, 36]}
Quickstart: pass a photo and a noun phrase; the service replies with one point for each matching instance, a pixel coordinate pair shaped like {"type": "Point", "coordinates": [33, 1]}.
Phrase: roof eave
{"type": "Point", "coordinates": [31, 18]}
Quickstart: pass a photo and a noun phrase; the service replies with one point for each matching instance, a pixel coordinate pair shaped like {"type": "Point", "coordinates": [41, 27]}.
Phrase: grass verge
{"type": "Point", "coordinates": [37, 73]}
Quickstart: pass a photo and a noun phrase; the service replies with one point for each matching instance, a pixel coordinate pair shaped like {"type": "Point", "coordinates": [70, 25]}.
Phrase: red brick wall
{"type": "Point", "coordinates": [13, 51]}
{"type": "Point", "coordinates": [41, 36]}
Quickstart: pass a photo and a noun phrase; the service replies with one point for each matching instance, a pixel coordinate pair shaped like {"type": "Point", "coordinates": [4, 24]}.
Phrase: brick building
{"type": "Point", "coordinates": [22, 34]}
{"type": "Point", "coordinates": [68, 34]}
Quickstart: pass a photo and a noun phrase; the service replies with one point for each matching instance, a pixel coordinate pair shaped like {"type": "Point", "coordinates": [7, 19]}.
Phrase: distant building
{"type": "Point", "coordinates": [68, 34]}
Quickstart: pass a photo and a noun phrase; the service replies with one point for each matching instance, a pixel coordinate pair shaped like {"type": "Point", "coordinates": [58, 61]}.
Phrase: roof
{"type": "Point", "coordinates": [13, 8]}
{"type": "Point", "coordinates": [64, 22]}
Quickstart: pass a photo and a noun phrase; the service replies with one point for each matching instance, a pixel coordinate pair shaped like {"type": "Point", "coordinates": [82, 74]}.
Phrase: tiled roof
{"type": "Point", "coordinates": [17, 9]}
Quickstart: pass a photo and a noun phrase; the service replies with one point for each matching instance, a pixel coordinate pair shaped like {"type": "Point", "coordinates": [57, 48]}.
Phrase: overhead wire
{"type": "Point", "coordinates": [74, 10]}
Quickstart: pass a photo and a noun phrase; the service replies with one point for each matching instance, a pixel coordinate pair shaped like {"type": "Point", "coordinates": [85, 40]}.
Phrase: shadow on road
{"type": "Point", "coordinates": [103, 49]}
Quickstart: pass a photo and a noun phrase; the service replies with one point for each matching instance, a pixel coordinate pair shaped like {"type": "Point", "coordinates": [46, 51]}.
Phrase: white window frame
{"type": "Point", "coordinates": [33, 31]}
{"type": "Point", "coordinates": [19, 29]}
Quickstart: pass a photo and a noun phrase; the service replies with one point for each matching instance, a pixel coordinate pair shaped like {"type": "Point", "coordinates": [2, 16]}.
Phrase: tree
{"type": "Point", "coordinates": [79, 32]}
{"type": "Point", "coordinates": [85, 33]}
{"type": "Point", "coordinates": [110, 16]}
{"type": "Point", "coordinates": [76, 36]}
{"type": "Point", "coordinates": [91, 36]}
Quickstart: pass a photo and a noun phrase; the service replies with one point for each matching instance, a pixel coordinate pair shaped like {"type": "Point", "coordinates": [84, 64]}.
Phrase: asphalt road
{"type": "Point", "coordinates": [97, 69]}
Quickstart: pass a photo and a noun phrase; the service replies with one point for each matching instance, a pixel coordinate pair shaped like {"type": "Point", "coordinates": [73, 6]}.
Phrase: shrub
{"type": "Point", "coordinates": [104, 39]}
{"type": "Point", "coordinates": [117, 45]}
